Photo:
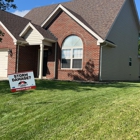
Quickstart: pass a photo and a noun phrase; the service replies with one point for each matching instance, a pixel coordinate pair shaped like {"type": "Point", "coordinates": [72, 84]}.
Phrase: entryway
{"type": "Point", "coordinates": [45, 59]}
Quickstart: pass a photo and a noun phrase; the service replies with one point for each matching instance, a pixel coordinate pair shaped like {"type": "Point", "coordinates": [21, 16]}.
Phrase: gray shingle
{"type": "Point", "coordinates": [45, 33]}
{"type": "Point", "coordinates": [16, 24]}
{"type": "Point", "coordinates": [98, 15]}
{"type": "Point", "coordinates": [13, 23]}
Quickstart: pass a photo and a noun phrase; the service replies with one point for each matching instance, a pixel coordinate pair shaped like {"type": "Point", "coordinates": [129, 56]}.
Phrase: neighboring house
{"type": "Point", "coordinates": [76, 40]}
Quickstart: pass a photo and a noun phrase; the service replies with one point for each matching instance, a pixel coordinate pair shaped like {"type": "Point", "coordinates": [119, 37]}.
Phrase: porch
{"type": "Point", "coordinates": [41, 59]}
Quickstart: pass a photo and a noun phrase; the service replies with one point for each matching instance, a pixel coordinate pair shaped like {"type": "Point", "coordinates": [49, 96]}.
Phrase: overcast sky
{"type": "Point", "coordinates": [24, 6]}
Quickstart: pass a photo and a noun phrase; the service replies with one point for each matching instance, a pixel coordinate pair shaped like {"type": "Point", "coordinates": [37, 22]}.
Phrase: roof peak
{"type": "Point", "coordinates": [103, 13]}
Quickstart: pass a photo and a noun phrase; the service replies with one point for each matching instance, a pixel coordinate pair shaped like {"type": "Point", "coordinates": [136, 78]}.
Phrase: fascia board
{"type": "Point", "coordinates": [26, 29]}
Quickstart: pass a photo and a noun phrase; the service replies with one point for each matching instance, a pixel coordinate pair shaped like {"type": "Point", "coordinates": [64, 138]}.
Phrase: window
{"type": "Point", "coordinates": [130, 61]}
{"type": "Point", "coordinates": [72, 53]}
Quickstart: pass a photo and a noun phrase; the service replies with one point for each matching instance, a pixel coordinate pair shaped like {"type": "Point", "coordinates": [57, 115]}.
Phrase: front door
{"type": "Point", "coordinates": [45, 58]}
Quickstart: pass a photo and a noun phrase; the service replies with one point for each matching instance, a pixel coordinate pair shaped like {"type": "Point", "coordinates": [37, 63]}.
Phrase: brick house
{"type": "Point", "coordinates": [76, 40]}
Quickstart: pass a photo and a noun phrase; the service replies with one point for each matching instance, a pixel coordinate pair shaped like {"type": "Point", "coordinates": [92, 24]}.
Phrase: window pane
{"type": "Point", "coordinates": [65, 63]}
{"type": "Point", "coordinates": [72, 41]}
{"type": "Point", "coordinates": [77, 41]}
{"type": "Point", "coordinates": [66, 53]}
{"type": "Point", "coordinates": [77, 53]}
{"type": "Point", "coordinates": [77, 63]}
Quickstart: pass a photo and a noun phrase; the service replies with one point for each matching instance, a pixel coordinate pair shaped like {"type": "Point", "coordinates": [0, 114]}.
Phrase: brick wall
{"type": "Point", "coordinates": [28, 59]}
{"type": "Point", "coordinates": [7, 43]}
{"type": "Point", "coordinates": [64, 26]}
{"type": "Point", "coordinates": [51, 63]}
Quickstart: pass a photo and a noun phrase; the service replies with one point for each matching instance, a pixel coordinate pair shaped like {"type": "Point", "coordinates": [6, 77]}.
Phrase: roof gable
{"type": "Point", "coordinates": [32, 31]}
{"type": "Point", "coordinates": [15, 26]}
{"type": "Point", "coordinates": [13, 23]}
{"type": "Point", "coordinates": [98, 15]}
{"type": "Point", "coordinates": [60, 7]}
{"type": "Point", "coordinates": [28, 29]}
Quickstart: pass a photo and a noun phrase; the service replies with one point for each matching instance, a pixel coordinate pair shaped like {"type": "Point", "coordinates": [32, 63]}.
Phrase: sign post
{"type": "Point", "coordinates": [21, 81]}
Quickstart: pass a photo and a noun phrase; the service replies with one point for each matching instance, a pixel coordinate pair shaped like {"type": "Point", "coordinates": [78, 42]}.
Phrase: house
{"type": "Point", "coordinates": [76, 40]}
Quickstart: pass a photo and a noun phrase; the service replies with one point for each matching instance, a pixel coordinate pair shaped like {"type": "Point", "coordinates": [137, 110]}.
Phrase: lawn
{"type": "Point", "coordinates": [59, 110]}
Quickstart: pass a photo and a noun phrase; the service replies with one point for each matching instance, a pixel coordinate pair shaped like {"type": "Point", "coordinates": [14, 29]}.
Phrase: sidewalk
{"type": "Point", "coordinates": [3, 78]}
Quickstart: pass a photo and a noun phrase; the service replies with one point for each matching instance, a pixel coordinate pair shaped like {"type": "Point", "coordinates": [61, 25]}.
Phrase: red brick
{"type": "Point", "coordinates": [7, 43]}
{"type": "Point", "coordinates": [64, 26]}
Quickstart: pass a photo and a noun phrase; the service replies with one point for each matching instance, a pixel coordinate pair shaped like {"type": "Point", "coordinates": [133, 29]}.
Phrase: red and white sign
{"type": "Point", "coordinates": [21, 81]}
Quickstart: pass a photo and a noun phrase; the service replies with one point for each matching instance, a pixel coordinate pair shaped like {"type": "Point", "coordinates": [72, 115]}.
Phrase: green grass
{"type": "Point", "coordinates": [59, 110]}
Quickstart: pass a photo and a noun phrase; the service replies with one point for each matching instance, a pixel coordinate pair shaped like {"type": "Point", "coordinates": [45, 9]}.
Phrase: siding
{"type": "Point", "coordinates": [33, 37]}
{"type": "Point", "coordinates": [115, 61]}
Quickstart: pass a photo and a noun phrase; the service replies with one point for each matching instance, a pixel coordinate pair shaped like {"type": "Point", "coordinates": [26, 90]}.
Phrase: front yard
{"type": "Point", "coordinates": [59, 110]}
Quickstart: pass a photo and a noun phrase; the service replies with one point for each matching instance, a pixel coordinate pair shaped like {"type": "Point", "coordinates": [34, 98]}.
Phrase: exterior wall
{"type": "Point", "coordinates": [7, 43]}
{"type": "Point", "coordinates": [51, 63]}
{"type": "Point", "coordinates": [33, 37]}
{"type": "Point", "coordinates": [64, 26]}
{"type": "Point", "coordinates": [28, 59]}
{"type": "Point", "coordinates": [115, 61]}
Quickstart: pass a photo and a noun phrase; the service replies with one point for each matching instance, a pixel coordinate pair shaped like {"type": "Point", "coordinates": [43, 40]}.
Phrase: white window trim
{"type": "Point", "coordinates": [71, 58]}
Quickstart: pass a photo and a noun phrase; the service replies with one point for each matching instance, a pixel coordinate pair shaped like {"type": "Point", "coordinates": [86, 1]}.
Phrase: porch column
{"type": "Point", "coordinates": [41, 61]}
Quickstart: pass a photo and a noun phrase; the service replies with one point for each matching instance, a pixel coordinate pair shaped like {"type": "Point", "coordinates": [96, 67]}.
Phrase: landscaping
{"type": "Point", "coordinates": [60, 110]}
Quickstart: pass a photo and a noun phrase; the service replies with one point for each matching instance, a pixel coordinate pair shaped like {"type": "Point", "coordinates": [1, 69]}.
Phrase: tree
{"type": "Point", "coordinates": [6, 5]}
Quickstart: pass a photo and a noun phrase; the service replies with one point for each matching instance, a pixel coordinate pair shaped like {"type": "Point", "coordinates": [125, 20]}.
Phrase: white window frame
{"type": "Point", "coordinates": [71, 56]}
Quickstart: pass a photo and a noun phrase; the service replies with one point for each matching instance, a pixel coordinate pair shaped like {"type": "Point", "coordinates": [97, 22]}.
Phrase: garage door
{"type": "Point", "coordinates": [3, 63]}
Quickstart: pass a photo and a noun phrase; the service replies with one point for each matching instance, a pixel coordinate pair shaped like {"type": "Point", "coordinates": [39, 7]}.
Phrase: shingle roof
{"type": "Point", "coordinates": [13, 23]}
{"type": "Point", "coordinates": [38, 15]}
{"type": "Point", "coordinates": [98, 15]}
{"type": "Point", "coordinates": [45, 33]}
{"type": "Point", "coordinates": [16, 24]}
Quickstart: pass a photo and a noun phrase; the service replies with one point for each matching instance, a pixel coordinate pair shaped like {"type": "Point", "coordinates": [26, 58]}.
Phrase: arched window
{"type": "Point", "coordinates": [72, 53]}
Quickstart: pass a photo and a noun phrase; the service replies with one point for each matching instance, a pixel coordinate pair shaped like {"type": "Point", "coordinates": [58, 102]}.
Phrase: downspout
{"type": "Point", "coordinates": [100, 76]}
{"type": "Point", "coordinates": [101, 57]}
{"type": "Point", "coordinates": [17, 58]}
{"type": "Point", "coordinates": [55, 59]}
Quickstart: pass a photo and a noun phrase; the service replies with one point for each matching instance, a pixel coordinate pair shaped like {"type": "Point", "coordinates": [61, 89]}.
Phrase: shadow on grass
{"type": "Point", "coordinates": [66, 85]}
{"type": "Point", "coordinates": [5, 89]}
{"type": "Point", "coordinates": [71, 85]}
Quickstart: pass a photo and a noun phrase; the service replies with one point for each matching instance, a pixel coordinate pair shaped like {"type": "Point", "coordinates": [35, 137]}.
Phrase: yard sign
{"type": "Point", "coordinates": [21, 81]}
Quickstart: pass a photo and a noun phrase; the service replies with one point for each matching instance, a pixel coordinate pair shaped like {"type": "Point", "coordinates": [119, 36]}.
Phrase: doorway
{"type": "Point", "coordinates": [45, 59]}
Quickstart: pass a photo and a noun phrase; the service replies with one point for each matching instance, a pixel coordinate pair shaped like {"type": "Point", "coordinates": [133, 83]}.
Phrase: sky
{"type": "Point", "coordinates": [24, 6]}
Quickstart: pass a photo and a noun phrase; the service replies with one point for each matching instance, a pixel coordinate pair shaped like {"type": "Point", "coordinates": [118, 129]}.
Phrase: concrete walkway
{"type": "Point", "coordinates": [3, 78]}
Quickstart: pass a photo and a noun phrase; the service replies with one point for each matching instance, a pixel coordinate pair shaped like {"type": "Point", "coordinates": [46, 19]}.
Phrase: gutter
{"type": "Point", "coordinates": [50, 40]}
{"type": "Point", "coordinates": [19, 42]}
{"type": "Point", "coordinates": [109, 44]}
